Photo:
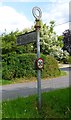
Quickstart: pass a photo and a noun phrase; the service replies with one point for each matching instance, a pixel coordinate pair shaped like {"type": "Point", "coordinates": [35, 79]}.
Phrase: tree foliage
{"type": "Point", "coordinates": [67, 40]}
{"type": "Point", "coordinates": [9, 43]}
{"type": "Point", "coordinates": [51, 44]}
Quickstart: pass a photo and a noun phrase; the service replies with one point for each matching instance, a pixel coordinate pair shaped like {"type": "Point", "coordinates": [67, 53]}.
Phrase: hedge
{"type": "Point", "coordinates": [69, 60]}
{"type": "Point", "coordinates": [23, 65]}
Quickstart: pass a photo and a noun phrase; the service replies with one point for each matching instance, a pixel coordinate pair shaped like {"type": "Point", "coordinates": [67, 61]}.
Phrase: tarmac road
{"type": "Point", "coordinates": [25, 89]}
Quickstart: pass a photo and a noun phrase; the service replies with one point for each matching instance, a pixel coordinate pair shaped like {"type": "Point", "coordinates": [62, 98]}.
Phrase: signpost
{"type": "Point", "coordinates": [30, 37]}
{"type": "Point", "coordinates": [37, 14]}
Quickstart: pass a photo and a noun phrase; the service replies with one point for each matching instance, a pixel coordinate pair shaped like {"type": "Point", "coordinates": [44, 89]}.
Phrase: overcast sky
{"type": "Point", "coordinates": [18, 14]}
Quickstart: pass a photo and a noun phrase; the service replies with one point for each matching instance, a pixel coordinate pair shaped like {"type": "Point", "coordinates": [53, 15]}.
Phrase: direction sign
{"type": "Point", "coordinates": [26, 38]}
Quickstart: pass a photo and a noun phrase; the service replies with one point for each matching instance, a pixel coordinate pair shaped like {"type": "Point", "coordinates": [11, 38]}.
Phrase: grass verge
{"type": "Point", "coordinates": [5, 82]}
{"type": "Point", "coordinates": [55, 104]}
{"type": "Point", "coordinates": [25, 79]}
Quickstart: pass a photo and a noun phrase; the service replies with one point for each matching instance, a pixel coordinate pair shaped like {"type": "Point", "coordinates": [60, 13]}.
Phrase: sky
{"type": "Point", "coordinates": [17, 14]}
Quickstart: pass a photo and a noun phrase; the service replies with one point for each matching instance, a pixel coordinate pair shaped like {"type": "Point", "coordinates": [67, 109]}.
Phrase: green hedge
{"type": "Point", "coordinates": [69, 60]}
{"type": "Point", "coordinates": [23, 65]}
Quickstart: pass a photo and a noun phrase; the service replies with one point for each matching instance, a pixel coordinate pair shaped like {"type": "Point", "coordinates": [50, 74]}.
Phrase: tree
{"type": "Point", "coordinates": [9, 43]}
{"type": "Point", "coordinates": [51, 43]}
{"type": "Point", "coordinates": [67, 40]}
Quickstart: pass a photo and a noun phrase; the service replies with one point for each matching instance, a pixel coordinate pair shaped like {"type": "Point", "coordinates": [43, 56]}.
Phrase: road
{"type": "Point", "coordinates": [25, 89]}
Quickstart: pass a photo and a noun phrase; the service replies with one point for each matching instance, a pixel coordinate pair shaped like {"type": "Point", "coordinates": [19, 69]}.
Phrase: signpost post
{"type": "Point", "coordinates": [37, 14]}
{"type": "Point", "coordinates": [33, 37]}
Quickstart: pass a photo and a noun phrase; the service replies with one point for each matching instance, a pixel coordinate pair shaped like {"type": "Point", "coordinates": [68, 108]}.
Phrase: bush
{"type": "Point", "coordinates": [69, 60]}
{"type": "Point", "coordinates": [51, 68]}
{"type": "Point", "coordinates": [23, 65]}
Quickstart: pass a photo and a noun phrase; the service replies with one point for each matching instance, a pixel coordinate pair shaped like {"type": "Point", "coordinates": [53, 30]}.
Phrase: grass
{"type": "Point", "coordinates": [63, 73]}
{"type": "Point", "coordinates": [5, 82]}
{"type": "Point", "coordinates": [21, 80]}
{"type": "Point", "coordinates": [17, 80]}
{"type": "Point", "coordinates": [55, 104]}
